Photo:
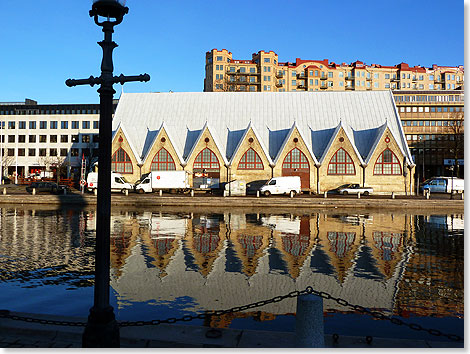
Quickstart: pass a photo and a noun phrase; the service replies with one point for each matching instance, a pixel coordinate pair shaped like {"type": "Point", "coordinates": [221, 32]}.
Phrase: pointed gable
{"type": "Point", "coordinates": [295, 129]}
{"type": "Point", "coordinates": [251, 129]}
{"type": "Point", "coordinates": [346, 130]}
{"type": "Point", "coordinates": [121, 130]}
{"type": "Point", "coordinates": [155, 136]}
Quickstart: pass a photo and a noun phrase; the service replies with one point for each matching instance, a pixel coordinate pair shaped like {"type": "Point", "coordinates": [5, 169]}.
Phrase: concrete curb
{"type": "Point", "coordinates": [240, 202]}
{"type": "Point", "coordinates": [21, 334]}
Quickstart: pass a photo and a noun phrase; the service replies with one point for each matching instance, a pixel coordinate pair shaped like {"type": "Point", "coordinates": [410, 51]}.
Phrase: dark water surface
{"type": "Point", "coordinates": [173, 263]}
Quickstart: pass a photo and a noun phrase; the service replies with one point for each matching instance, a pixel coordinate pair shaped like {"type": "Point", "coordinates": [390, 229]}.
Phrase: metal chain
{"type": "Point", "coordinates": [292, 294]}
{"type": "Point", "coordinates": [7, 314]}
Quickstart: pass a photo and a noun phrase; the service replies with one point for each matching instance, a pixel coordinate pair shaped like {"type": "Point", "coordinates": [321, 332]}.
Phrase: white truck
{"type": "Point", "coordinates": [163, 180]}
{"type": "Point", "coordinates": [281, 185]}
{"type": "Point", "coordinates": [118, 182]}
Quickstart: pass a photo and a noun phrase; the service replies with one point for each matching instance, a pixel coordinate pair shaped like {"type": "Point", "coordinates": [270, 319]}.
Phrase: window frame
{"type": "Point", "coordinates": [383, 163]}
{"type": "Point", "coordinates": [157, 162]}
{"type": "Point", "coordinates": [121, 162]}
{"type": "Point", "coordinates": [253, 164]}
{"type": "Point", "coordinates": [344, 163]}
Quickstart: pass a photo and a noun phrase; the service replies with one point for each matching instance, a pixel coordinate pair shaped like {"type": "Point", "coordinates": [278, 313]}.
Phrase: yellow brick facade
{"type": "Point", "coordinates": [387, 183]}
{"type": "Point", "coordinates": [331, 181]}
{"type": "Point", "coordinates": [319, 180]}
{"type": "Point", "coordinates": [250, 141]}
{"type": "Point", "coordinates": [120, 141]}
{"type": "Point", "coordinates": [161, 142]}
{"type": "Point", "coordinates": [294, 140]}
{"type": "Point", "coordinates": [263, 72]}
{"type": "Point", "coordinates": [206, 140]}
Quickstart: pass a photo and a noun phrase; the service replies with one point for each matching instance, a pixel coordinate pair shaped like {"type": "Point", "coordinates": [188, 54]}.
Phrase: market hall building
{"type": "Point", "coordinates": [326, 138]}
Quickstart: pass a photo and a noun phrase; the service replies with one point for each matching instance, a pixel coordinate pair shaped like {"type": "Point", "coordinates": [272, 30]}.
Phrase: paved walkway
{"type": "Point", "coordinates": [20, 334]}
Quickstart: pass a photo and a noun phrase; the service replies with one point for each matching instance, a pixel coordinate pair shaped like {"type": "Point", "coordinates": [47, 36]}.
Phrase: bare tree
{"type": "Point", "coordinates": [7, 161]}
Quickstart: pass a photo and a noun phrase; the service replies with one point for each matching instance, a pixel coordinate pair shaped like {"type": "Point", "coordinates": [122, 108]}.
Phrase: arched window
{"type": "Point", "coordinates": [250, 161]}
{"type": "Point", "coordinates": [121, 162]}
{"type": "Point", "coordinates": [387, 164]}
{"type": "Point", "coordinates": [341, 164]}
{"type": "Point", "coordinates": [206, 160]}
{"type": "Point", "coordinates": [162, 161]}
{"type": "Point", "coordinates": [295, 159]}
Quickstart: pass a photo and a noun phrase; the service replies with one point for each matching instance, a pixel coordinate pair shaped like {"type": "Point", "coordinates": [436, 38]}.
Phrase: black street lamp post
{"type": "Point", "coordinates": [102, 329]}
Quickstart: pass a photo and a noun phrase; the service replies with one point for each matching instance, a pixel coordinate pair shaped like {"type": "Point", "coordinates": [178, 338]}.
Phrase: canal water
{"type": "Point", "coordinates": [171, 263]}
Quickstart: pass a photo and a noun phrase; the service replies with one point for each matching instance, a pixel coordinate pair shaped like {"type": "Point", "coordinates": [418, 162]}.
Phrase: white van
{"type": "Point", "coordinates": [281, 185]}
{"type": "Point", "coordinates": [118, 182]}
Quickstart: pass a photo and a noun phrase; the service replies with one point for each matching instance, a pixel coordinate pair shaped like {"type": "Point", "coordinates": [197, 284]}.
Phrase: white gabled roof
{"type": "Point", "coordinates": [271, 114]}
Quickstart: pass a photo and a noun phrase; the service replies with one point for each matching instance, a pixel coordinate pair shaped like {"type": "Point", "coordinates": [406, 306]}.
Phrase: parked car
{"type": "Point", "coordinates": [46, 187]}
{"type": "Point", "coordinates": [352, 188]}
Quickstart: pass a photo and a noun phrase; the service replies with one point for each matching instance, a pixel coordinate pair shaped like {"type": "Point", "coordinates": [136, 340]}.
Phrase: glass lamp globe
{"type": "Point", "coordinates": [109, 8]}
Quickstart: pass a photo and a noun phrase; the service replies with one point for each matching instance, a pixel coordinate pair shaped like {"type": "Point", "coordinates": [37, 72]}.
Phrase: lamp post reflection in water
{"type": "Point", "coordinates": [102, 329]}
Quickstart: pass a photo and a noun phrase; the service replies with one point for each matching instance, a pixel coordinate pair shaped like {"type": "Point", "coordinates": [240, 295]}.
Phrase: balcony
{"type": "Point", "coordinates": [301, 86]}
{"type": "Point", "coordinates": [279, 75]}
{"type": "Point", "coordinates": [323, 87]}
{"type": "Point", "coordinates": [439, 80]}
{"type": "Point", "coordinates": [279, 84]}
{"type": "Point", "coordinates": [241, 82]}
{"type": "Point", "coordinates": [349, 87]}
{"type": "Point", "coordinates": [349, 78]}
{"type": "Point", "coordinates": [395, 79]}
{"type": "Point", "coordinates": [301, 76]}
{"type": "Point", "coordinates": [323, 77]}
{"type": "Point", "coordinates": [238, 72]}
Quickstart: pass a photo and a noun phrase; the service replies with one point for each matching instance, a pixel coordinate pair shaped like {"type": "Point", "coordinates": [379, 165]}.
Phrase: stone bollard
{"type": "Point", "coordinates": [324, 195]}
{"type": "Point", "coordinates": [309, 328]}
{"type": "Point", "coordinates": [127, 192]}
{"type": "Point", "coordinates": [160, 192]}
{"type": "Point", "coordinates": [34, 191]}
{"type": "Point", "coordinates": [95, 191]}
{"type": "Point", "coordinates": [257, 194]}
{"type": "Point", "coordinates": [65, 191]}
{"type": "Point", "coordinates": [461, 196]}
{"type": "Point", "coordinates": [428, 194]}
{"type": "Point", "coordinates": [291, 194]}
{"type": "Point", "coordinates": [393, 195]}
{"type": "Point", "coordinates": [358, 195]}
{"type": "Point", "coordinates": [192, 192]}
{"type": "Point", "coordinates": [4, 191]}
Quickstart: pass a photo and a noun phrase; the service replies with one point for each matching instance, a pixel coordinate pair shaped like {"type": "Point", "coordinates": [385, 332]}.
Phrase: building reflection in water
{"type": "Point", "coordinates": [400, 263]}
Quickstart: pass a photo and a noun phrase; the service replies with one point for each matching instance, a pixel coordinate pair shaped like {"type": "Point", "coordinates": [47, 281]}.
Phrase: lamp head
{"type": "Point", "coordinates": [109, 9]}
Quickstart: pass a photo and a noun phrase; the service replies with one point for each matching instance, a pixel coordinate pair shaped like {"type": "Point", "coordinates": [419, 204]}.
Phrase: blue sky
{"type": "Point", "coordinates": [45, 42]}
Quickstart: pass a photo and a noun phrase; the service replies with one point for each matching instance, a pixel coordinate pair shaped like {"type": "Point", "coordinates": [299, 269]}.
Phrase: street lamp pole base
{"type": "Point", "coordinates": [102, 330]}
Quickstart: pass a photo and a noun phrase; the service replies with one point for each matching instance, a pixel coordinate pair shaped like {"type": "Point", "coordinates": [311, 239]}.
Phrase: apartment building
{"type": "Point", "coordinates": [433, 123]}
{"type": "Point", "coordinates": [37, 139]}
{"type": "Point", "coordinates": [430, 100]}
{"type": "Point", "coordinates": [264, 72]}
